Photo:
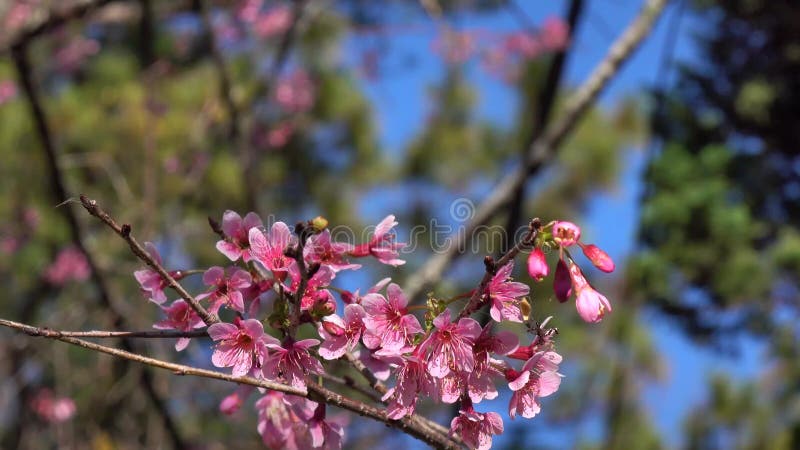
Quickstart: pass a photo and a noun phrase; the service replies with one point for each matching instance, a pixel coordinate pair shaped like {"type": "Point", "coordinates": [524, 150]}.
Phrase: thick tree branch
{"type": "Point", "coordinates": [542, 149]}
{"type": "Point", "coordinates": [124, 231]}
{"type": "Point", "coordinates": [315, 392]}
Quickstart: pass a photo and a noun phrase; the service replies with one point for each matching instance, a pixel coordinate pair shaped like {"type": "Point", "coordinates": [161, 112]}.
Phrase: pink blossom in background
{"type": "Point", "coordinates": [554, 35]}
{"type": "Point", "coordinates": [149, 280]}
{"type": "Point", "coordinates": [295, 92]}
{"type": "Point", "coordinates": [72, 55]}
{"type": "Point", "coordinates": [181, 317]}
{"type": "Point", "coordinates": [242, 345]}
{"type": "Point", "coordinates": [274, 22]}
{"type": "Point", "coordinates": [505, 294]}
{"type": "Point", "coordinates": [9, 244]}
{"type": "Point", "coordinates": [523, 44]}
{"type": "Point", "coordinates": [382, 245]}
{"type": "Point", "coordinates": [324, 434]}
{"type": "Point", "coordinates": [476, 428]}
{"type": "Point", "coordinates": [277, 424]}
{"type": "Point", "coordinates": [290, 362]}
{"type": "Point", "coordinates": [8, 90]}
{"type": "Point", "coordinates": [279, 135]}
{"type": "Point", "coordinates": [233, 402]}
{"type": "Point", "coordinates": [18, 15]}
{"type": "Point", "coordinates": [450, 345]}
{"type": "Point", "coordinates": [70, 265]}
{"type": "Point", "coordinates": [455, 47]}
{"type": "Point", "coordinates": [268, 249]}
{"type": "Point", "coordinates": [31, 218]}
{"type": "Point", "coordinates": [388, 322]}
{"type": "Point", "coordinates": [52, 408]}
{"type": "Point", "coordinates": [249, 10]}
{"type": "Point", "coordinates": [227, 286]}
{"type": "Point", "coordinates": [237, 234]}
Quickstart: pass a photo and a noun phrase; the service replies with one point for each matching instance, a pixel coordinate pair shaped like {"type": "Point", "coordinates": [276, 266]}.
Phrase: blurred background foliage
{"type": "Point", "coordinates": [138, 101]}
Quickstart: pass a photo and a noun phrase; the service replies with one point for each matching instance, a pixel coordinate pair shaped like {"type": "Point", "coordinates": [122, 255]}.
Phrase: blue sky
{"type": "Point", "coordinates": [401, 102]}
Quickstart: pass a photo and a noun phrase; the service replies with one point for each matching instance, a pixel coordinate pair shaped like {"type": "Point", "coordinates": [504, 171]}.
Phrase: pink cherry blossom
{"type": "Point", "coordinates": [269, 249]}
{"type": "Point", "coordinates": [70, 265]}
{"type": "Point", "coordinates": [476, 428]}
{"type": "Point", "coordinates": [325, 434]}
{"type": "Point", "coordinates": [598, 257]}
{"type": "Point", "coordinates": [480, 382]}
{"type": "Point", "coordinates": [341, 335]}
{"type": "Point", "coordinates": [450, 345]}
{"type": "Point", "coordinates": [555, 34]}
{"type": "Point", "coordinates": [8, 90]}
{"type": "Point", "coordinates": [505, 294]}
{"type": "Point", "coordinates": [355, 297]}
{"type": "Point", "coordinates": [52, 408]}
{"type": "Point", "coordinates": [72, 55]}
{"type": "Point", "coordinates": [149, 280]}
{"type": "Point", "coordinates": [375, 363]}
{"type": "Point", "coordinates": [320, 249]}
{"type": "Point", "coordinates": [295, 92]}
{"type": "Point", "coordinates": [537, 264]}
{"type": "Point", "coordinates": [412, 380]}
{"type": "Point", "coordinates": [242, 345]}
{"type": "Point", "coordinates": [233, 402]}
{"type": "Point", "coordinates": [523, 44]}
{"type": "Point", "coordinates": [387, 321]}
{"type": "Point", "coordinates": [274, 22]}
{"type": "Point", "coordinates": [539, 378]}
{"type": "Point", "coordinates": [249, 11]}
{"type": "Point", "coordinates": [591, 305]}
{"type": "Point", "coordinates": [226, 288]}
{"type": "Point", "coordinates": [181, 317]}
{"type": "Point", "coordinates": [315, 294]}
{"type": "Point", "coordinates": [562, 286]}
{"type": "Point", "coordinates": [291, 362]}
{"type": "Point", "coordinates": [279, 135]}
{"type": "Point", "coordinates": [237, 235]}
{"type": "Point", "coordinates": [566, 233]}
{"type": "Point", "coordinates": [277, 424]}
{"type": "Point", "coordinates": [382, 245]}
{"type": "Point", "coordinates": [456, 47]}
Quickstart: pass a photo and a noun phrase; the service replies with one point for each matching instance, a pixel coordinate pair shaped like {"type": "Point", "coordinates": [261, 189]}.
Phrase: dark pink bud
{"type": "Point", "coordinates": [562, 285]}
{"type": "Point", "coordinates": [599, 258]}
{"type": "Point", "coordinates": [537, 265]}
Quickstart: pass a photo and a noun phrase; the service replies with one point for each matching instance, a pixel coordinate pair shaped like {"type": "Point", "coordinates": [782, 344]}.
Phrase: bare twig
{"type": "Point", "coordinates": [314, 392]}
{"type": "Point", "coordinates": [351, 383]}
{"type": "Point", "coordinates": [148, 334]}
{"type": "Point", "coordinates": [541, 150]}
{"type": "Point", "coordinates": [124, 231]}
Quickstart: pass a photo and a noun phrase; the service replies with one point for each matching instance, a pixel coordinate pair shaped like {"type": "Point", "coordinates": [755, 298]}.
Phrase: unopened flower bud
{"type": "Point", "coordinates": [562, 285]}
{"type": "Point", "coordinates": [319, 223]}
{"type": "Point", "coordinates": [598, 257]}
{"type": "Point", "coordinates": [537, 265]}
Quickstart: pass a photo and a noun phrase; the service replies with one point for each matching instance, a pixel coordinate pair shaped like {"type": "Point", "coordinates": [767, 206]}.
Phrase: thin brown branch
{"type": "Point", "coordinates": [314, 392]}
{"type": "Point", "coordinates": [148, 334]}
{"type": "Point", "coordinates": [542, 149]}
{"type": "Point", "coordinates": [351, 383]}
{"type": "Point", "coordinates": [124, 231]}
{"type": "Point", "coordinates": [25, 75]}
{"type": "Point", "coordinates": [477, 300]}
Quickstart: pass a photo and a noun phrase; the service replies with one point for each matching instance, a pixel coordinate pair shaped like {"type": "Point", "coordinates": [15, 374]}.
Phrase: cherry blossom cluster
{"type": "Point", "coordinates": [281, 321]}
